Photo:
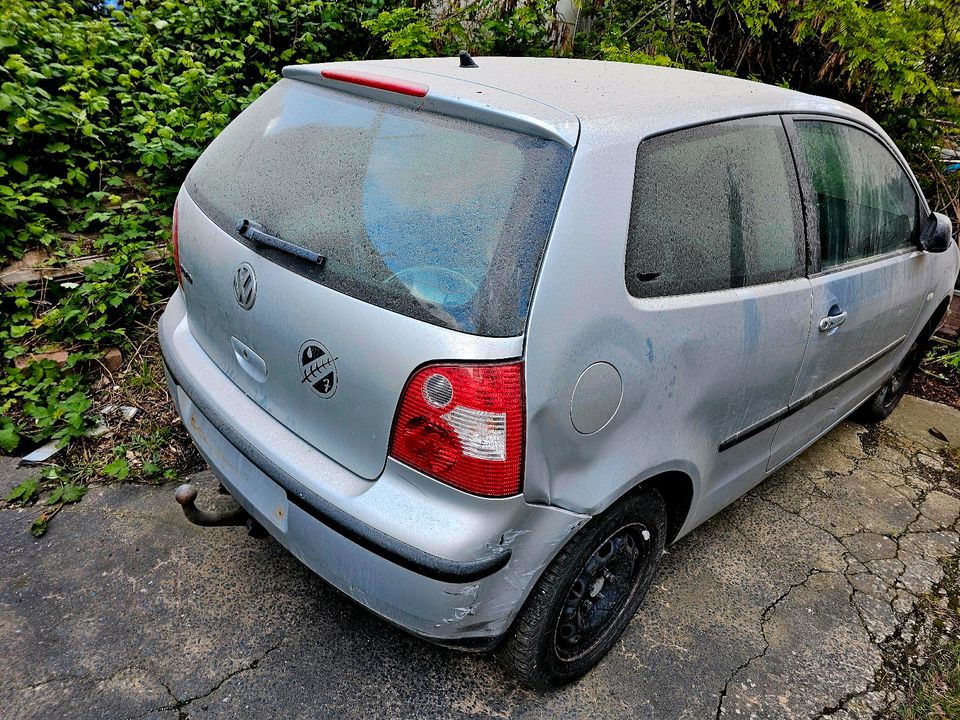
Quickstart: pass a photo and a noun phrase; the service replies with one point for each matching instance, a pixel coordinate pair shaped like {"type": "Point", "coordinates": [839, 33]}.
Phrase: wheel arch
{"type": "Point", "coordinates": [938, 316]}
{"type": "Point", "coordinates": [676, 487]}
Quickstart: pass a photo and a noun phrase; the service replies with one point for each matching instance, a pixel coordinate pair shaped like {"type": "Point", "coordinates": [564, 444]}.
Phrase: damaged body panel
{"type": "Point", "coordinates": [476, 345]}
{"type": "Point", "coordinates": [451, 566]}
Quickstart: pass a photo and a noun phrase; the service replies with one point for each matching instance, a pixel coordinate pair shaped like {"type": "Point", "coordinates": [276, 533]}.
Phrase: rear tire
{"type": "Point", "coordinates": [886, 399]}
{"type": "Point", "coordinates": [589, 593]}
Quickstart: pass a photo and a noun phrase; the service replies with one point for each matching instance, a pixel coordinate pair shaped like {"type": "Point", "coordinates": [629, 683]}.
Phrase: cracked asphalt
{"type": "Point", "coordinates": [792, 603]}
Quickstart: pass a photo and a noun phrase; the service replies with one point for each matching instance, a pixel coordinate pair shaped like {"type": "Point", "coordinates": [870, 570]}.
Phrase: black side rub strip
{"type": "Point", "coordinates": [366, 536]}
{"type": "Point", "coordinates": [255, 232]}
{"type": "Point", "coordinates": [751, 430]}
{"type": "Point", "coordinates": [759, 427]}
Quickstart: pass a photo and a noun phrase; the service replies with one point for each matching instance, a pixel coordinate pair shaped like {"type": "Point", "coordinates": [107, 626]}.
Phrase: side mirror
{"type": "Point", "coordinates": [937, 234]}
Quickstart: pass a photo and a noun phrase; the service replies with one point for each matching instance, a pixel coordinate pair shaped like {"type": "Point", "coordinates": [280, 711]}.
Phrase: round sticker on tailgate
{"type": "Point", "coordinates": [318, 368]}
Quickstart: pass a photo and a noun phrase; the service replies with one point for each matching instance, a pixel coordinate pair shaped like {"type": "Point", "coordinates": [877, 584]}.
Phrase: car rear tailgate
{"type": "Point", "coordinates": [426, 231]}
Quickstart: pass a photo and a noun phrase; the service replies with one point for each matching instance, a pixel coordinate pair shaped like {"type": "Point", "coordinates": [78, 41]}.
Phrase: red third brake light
{"type": "Point", "coordinates": [175, 238]}
{"type": "Point", "coordinates": [463, 425]}
{"type": "Point", "coordinates": [379, 82]}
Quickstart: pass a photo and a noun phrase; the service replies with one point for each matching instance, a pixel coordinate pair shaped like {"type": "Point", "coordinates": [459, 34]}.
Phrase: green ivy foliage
{"type": "Point", "coordinates": [102, 112]}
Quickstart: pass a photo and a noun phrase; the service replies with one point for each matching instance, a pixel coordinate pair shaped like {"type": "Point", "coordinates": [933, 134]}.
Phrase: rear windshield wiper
{"type": "Point", "coordinates": [254, 231]}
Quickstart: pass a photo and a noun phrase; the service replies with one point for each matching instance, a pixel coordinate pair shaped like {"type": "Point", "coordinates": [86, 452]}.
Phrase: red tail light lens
{"type": "Point", "coordinates": [463, 425]}
{"type": "Point", "coordinates": [175, 238]}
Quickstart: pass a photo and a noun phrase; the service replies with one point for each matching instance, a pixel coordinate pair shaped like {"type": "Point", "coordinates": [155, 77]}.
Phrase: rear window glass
{"type": "Point", "coordinates": [430, 216]}
{"type": "Point", "coordinates": [714, 207]}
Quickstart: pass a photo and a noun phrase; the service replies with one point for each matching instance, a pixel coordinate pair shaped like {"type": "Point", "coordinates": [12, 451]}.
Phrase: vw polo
{"type": "Point", "coordinates": [476, 343]}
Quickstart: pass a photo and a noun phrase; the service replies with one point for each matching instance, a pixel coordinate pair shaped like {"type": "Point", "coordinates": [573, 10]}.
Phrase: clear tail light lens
{"type": "Point", "coordinates": [175, 239]}
{"type": "Point", "coordinates": [463, 425]}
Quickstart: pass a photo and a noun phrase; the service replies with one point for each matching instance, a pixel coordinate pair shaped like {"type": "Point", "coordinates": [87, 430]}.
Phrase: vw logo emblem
{"type": "Point", "coordinates": [245, 286]}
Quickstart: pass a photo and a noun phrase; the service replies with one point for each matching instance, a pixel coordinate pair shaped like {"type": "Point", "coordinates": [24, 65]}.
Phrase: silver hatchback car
{"type": "Point", "coordinates": [476, 343]}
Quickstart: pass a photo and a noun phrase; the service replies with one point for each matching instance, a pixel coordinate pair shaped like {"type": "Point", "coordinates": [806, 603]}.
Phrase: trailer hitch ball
{"type": "Point", "coordinates": [186, 495]}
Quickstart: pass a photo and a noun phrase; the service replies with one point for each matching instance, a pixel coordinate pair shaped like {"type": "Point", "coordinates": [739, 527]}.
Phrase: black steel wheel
{"type": "Point", "coordinates": [589, 593]}
{"type": "Point", "coordinates": [886, 399]}
{"type": "Point", "coordinates": [602, 591]}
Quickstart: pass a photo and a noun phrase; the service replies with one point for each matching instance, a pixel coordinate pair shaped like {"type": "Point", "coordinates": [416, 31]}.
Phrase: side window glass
{"type": "Point", "coordinates": [864, 201]}
{"type": "Point", "coordinates": [714, 207]}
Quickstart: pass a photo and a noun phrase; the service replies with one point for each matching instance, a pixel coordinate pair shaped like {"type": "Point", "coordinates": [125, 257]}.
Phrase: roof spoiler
{"type": "Point", "coordinates": [408, 89]}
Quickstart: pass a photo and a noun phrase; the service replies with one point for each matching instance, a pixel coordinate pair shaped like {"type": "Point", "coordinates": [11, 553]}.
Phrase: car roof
{"type": "Point", "coordinates": [567, 99]}
{"type": "Point", "coordinates": [609, 94]}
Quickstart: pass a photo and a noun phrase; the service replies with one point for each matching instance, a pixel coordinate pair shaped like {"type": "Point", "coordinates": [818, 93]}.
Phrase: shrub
{"type": "Point", "coordinates": [102, 111]}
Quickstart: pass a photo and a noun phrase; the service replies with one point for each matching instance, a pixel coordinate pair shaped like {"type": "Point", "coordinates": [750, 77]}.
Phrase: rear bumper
{"type": "Point", "coordinates": [440, 563]}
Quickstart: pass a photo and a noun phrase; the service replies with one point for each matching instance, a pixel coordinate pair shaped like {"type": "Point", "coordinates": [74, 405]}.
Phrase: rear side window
{"type": "Point", "coordinates": [426, 215]}
{"type": "Point", "coordinates": [864, 202]}
{"type": "Point", "coordinates": [714, 207]}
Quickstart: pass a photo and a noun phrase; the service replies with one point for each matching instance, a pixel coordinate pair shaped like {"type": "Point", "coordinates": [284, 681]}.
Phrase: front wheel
{"type": "Point", "coordinates": [883, 402]}
{"type": "Point", "coordinates": [587, 596]}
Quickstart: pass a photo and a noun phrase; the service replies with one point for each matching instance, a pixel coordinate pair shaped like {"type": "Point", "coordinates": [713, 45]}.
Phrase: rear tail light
{"type": "Point", "coordinates": [175, 238]}
{"type": "Point", "coordinates": [463, 425]}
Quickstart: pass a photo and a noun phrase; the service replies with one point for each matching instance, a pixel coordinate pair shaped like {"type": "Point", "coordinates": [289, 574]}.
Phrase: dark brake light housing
{"type": "Point", "coordinates": [463, 424]}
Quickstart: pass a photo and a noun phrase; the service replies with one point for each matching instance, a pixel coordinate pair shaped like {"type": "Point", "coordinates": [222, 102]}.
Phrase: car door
{"type": "Point", "coordinates": [715, 265]}
{"type": "Point", "coordinates": [866, 273]}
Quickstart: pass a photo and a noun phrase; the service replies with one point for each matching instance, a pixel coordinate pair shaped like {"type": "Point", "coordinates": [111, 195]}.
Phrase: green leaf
{"type": "Point", "coordinates": [66, 494]}
{"type": "Point", "coordinates": [38, 527]}
{"type": "Point", "coordinates": [9, 437]}
{"type": "Point", "coordinates": [118, 469]}
{"type": "Point", "coordinates": [72, 493]}
{"type": "Point", "coordinates": [24, 492]}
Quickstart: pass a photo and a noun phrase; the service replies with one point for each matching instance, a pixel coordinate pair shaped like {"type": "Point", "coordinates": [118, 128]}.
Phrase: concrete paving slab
{"type": "Point", "coordinates": [776, 608]}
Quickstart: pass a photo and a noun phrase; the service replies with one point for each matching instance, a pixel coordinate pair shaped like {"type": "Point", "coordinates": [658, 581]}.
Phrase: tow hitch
{"type": "Point", "coordinates": [186, 495]}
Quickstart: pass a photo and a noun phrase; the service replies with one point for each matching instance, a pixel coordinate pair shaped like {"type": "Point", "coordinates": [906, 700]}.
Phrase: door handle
{"type": "Point", "coordinates": [833, 321]}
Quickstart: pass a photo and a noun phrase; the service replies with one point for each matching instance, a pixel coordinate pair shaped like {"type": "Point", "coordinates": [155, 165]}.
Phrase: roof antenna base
{"type": "Point", "coordinates": [466, 61]}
